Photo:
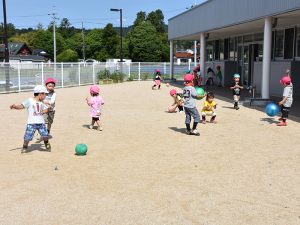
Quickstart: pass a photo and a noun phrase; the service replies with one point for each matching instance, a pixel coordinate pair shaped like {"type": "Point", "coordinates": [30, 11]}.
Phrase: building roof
{"type": "Point", "coordinates": [184, 55]}
{"type": "Point", "coordinates": [33, 58]}
{"type": "Point", "coordinates": [14, 47]}
{"type": "Point", "coordinates": [219, 14]}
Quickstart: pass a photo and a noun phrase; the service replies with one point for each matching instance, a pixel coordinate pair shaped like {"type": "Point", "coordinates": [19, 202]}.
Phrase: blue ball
{"type": "Point", "coordinates": [272, 109]}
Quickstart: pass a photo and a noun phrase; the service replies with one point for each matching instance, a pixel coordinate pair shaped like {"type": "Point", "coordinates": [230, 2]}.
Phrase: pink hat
{"type": "Point", "coordinates": [188, 77]}
{"type": "Point", "coordinates": [285, 80]}
{"type": "Point", "coordinates": [94, 89]}
{"type": "Point", "coordinates": [50, 80]}
{"type": "Point", "coordinates": [157, 70]}
{"type": "Point", "coordinates": [173, 92]}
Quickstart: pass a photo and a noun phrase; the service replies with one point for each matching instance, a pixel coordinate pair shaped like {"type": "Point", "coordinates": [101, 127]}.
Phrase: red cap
{"type": "Point", "coordinates": [188, 77]}
{"type": "Point", "coordinates": [50, 80]}
{"type": "Point", "coordinates": [173, 92]}
{"type": "Point", "coordinates": [285, 80]}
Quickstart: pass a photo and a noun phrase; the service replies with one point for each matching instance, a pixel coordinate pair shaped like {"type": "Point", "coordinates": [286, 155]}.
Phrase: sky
{"type": "Point", "coordinates": [93, 13]}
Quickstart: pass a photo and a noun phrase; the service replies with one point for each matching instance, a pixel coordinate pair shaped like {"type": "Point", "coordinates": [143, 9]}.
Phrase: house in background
{"type": "Point", "coordinates": [20, 52]}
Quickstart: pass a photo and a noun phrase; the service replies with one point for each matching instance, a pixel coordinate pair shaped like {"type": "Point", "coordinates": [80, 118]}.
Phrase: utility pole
{"type": "Point", "coordinates": [83, 43]}
{"type": "Point", "coordinates": [54, 18]}
{"type": "Point", "coordinates": [6, 51]}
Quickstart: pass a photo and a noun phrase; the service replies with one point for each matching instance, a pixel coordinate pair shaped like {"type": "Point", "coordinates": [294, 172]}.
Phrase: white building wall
{"type": "Point", "coordinates": [277, 71]}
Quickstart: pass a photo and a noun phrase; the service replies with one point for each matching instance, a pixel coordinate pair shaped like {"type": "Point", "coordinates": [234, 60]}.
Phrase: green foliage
{"type": "Point", "coordinates": [157, 20]}
{"type": "Point", "coordinates": [110, 40]}
{"type": "Point", "coordinates": [68, 56]}
{"type": "Point", "coordinates": [11, 30]}
{"type": "Point", "coordinates": [104, 74]}
{"type": "Point", "coordinates": [145, 44]}
{"type": "Point", "coordinates": [115, 76]}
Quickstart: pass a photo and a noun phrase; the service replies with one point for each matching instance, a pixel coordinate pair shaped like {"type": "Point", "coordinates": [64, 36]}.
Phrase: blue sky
{"type": "Point", "coordinates": [94, 13]}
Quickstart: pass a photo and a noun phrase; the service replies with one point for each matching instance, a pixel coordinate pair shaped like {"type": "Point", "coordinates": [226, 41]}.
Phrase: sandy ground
{"type": "Point", "coordinates": [143, 169]}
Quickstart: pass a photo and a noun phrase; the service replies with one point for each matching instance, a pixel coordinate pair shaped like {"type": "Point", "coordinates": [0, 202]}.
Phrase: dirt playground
{"type": "Point", "coordinates": [142, 169]}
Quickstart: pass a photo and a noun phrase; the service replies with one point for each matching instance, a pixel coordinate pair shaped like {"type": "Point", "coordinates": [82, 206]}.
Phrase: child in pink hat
{"type": "Point", "coordinates": [178, 102]}
{"type": "Point", "coordinates": [157, 79]}
{"type": "Point", "coordinates": [287, 99]}
{"type": "Point", "coordinates": [95, 101]}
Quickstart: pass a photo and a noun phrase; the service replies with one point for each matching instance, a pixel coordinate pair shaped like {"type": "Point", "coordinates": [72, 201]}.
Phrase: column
{"type": "Point", "coordinates": [202, 55]}
{"type": "Point", "coordinates": [171, 60]}
{"type": "Point", "coordinates": [265, 83]}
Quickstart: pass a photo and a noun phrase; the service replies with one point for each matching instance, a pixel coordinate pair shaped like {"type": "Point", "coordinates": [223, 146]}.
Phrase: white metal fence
{"type": "Point", "coordinates": [17, 77]}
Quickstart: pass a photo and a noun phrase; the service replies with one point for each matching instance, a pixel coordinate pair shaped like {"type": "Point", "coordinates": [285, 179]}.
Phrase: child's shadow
{"type": "Point", "coordinates": [179, 130]}
{"type": "Point", "coordinates": [86, 126]}
{"type": "Point", "coordinates": [33, 147]}
{"type": "Point", "coordinates": [227, 107]}
{"type": "Point", "coordinates": [269, 120]}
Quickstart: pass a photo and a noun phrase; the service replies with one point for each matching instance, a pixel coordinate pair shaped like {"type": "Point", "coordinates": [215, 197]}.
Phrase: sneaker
{"type": "Point", "coordinates": [282, 124]}
{"type": "Point", "coordinates": [195, 132]}
{"type": "Point", "coordinates": [100, 128]}
{"type": "Point", "coordinates": [24, 149]}
{"type": "Point", "coordinates": [91, 127]}
{"type": "Point", "coordinates": [237, 108]}
{"type": "Point", "coordinates": [213, 121]}
{"type": "Point", "coordinates": [188, 132]}
{"type": "Point", "coordinates": [48, 146]}
{"type": "Point", "coordinates": [280, 118]}
{"type": "Point", "coordinates": [204, 121]}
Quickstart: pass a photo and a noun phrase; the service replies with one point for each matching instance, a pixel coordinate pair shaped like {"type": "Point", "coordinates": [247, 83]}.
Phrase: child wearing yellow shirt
{"type": "Point", "coordinates": [209, 108]}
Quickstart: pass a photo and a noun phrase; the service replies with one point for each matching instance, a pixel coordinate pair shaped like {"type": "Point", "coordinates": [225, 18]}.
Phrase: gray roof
{"type": "Point", "coordinates": [217, 14]}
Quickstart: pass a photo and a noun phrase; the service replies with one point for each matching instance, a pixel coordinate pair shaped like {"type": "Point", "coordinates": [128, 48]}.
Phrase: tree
{"type": "Point", "coordinates": [110, 40]}
{"type": "Point", "coordinates": [140, 18]}
{"type": "Point", "coordinates": [145, 44]}
{"type": "Point", "coordinates": [66, 29]}
{"type": "Point", "coordinates": [93, 43]}
{"type": "Point", "coordinates": [75, 43]}
{"type": "Point", "coordinates": [157, 20]}
{"type": "Point", "coordinates": [39, 26]}
{"type": "Point", "coordinates": [11, 30]}
{"type": "Point", "coordinates": [68, 56]}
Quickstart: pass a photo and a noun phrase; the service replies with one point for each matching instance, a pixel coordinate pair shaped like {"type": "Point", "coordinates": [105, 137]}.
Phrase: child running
{"type": "Point", "coordinates": [50, 102]}
{"type": "Point", "coordinates": [95, 101]}
{"type": "Point", "coordinates": [189, 94]}
{"type": "Point", "coordinates": [236, 88]}
{"type": "Point", "coordinates": [178, 102]}
{"type": "Point", "coordinates": [157, 79]}
{"type": "Point", "coordinates": [36, 108]}
{"type": "Point", "coordinates": [209, 108]}
{"type": "Point", "coordinates": [287, 99]}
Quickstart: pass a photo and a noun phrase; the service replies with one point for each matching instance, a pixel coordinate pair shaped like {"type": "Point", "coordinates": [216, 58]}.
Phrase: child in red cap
{"type": "Point", "coordinates": [178, 101]}
{"type": "Point", "coordinates": [95, 101]}
{"type": "Point", "coordinates": [287, 99]}
{"type": "Point", "coordinates": [189, 94]}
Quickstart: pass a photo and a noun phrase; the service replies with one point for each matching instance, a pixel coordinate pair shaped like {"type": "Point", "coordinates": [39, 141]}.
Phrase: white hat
{"type": "Point", "coordinates": [40, 89]}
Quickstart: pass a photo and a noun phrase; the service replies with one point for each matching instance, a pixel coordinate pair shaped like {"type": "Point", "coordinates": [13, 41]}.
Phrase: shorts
{"type": "Point", "coordinates": [49, 117]}
{"type": "Point", "coordinates": [285, 112]}
{"type": "Point", "coordinates": [236, 98]}
{"type": "Point", "coordinates": [208, 113]}
{"type": "Point", "coordinates": [191, 112]}
{"type": "Point", "coordinates": [157, 82]}
{"type": "Point", "coordinates": [95, 119]}
{"type": "Point", "coordinates": [31, 128]}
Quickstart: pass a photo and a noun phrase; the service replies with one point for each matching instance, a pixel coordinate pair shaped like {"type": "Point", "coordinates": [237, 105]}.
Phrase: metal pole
{"type": "Point", "coordinates": [19, 76]}
{"type": "Point", "coordinates": [121, 36]}
{"type": "Point", "coordinates": [171, 60]}
{"type": "Point", "coordinates": [195, 53]}
{"type": "Point", "coordinates": [62, 74]}
{"type": "Point", "coordinates": [6, 51]}
{"type": "Point", "coordinates": [83, 44]}
{"type": "Point", "coordinates": [139, 71]}
{"type": "Point", "coordinates": [202, 56]}
{"type": "Point", "coordinates": [42, 73]}
{"type": "Point", "coordinates": [79, 73]}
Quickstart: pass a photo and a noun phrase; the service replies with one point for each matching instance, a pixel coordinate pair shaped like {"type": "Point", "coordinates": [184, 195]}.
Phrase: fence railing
{"type": "Point", "coordinates": [17, 77]}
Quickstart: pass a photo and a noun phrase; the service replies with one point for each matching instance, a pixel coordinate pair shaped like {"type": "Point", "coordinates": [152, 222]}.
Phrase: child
{"type": "Point", "coordinates": [287, 100]}
{"type": "Point", "coordinates": [157, 79]}
{"type": "Point", "coordinates": [209, 108]}
{"type": "Point", "coordinates": [189, 94]}
{"type": "Point", "coordinates": [210, 77]}
{"type": "Point", "coordinates": [178, 101]}
{"type": "Point", "coordinates": [36, 108]}
{"type": "Point", "coordinates": [50, 102]}
{"type": "Point", "coordinates": [197, 78]}
{"type": "Point", "coordinates": [95, 102]}
{"type": "Point", "coordinates": [219, 76]}
{"type": "Point", "coordinates": [236, 88]}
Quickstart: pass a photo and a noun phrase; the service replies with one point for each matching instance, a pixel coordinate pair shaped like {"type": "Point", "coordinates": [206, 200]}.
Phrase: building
{"type": "Point", "coordinates": [259, 39]}
{"type": "Point", "coordinates": [20, 52]}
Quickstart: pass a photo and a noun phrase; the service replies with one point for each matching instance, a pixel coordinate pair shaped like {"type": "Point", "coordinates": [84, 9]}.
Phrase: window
{"type": "Point", "coordinates": [217, 50]}
{"type": "Point", "coordinates": [209, 51]}
{"type": "Point", "coordinates": [232, 49]}
{"type": "Point", "coordinates": [226, 49]}
{"type": "Point", "coordinates": [289, 43]}
{"type": "Point", "coordinates": [279, 43]}
{"type": "Point", "coordinates": [221, 50]}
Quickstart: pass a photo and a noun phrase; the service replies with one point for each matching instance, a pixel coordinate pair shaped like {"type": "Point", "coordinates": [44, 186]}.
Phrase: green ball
{"type": "Point", "coordinates": [81, 149]}
{"type": "Point", "coordinates": [199, 91]}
